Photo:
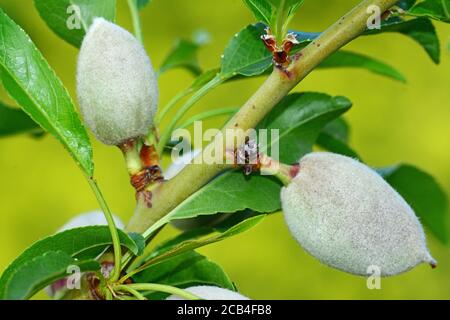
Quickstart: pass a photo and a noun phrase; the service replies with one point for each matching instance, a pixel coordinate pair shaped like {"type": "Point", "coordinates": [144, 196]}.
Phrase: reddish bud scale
{"type": "Point", "coordinates": [281, 54]}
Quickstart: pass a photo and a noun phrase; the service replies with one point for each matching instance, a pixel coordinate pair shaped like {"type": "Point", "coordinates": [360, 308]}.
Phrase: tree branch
{"type": "Point", "coordinates": [171, 193]}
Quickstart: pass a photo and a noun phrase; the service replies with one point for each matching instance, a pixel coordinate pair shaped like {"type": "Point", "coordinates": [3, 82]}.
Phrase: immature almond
{"type": "Point", "coordinates": [92, 218]}
{"type": "Point", "coordinates": [116, 84]}
{"type": "Point", "coordinates": [344, 214]}
{"type": "Point", "coordinates": [211, 293]}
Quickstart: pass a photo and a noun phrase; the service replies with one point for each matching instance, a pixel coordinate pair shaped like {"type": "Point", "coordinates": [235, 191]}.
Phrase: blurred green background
{"type": "Point", "coordinates": [41, 187]}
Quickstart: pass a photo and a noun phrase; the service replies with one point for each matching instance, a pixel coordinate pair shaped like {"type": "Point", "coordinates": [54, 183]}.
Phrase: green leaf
{"type": "Point", "coordinates": [261, 9]}
{"type": "Point", "coordinates": [196, 240]}
{"type": "Point", "coordinates": [73, 242]}
{"type": "Point", "coordinates": [41, 271]}
{"type": "Point", "coordinates": [346, 59]}
{"type": "Point", "coordinates": [423, 194]}
{"type": "Point", "coordinates": [230, 192]}
{"type": "Point", "coordinates": [15, 121]}
{"type": "Point", "coordinates": [276, 14]}
{"type": "Point", "coordinates": [246, 54]}
{"type": "Point", "coordinates": [139, 241]}
{"type": "Point", "coordinates": [180, 238]}
{"type": "Point", "coordinates": [434, 9]}
{"type": "Point", "coordinates": [33, 84]}
{"type": "Point", "coordinates": [406, 4]}
{"type": "Point", "coordinates": [300, 117]}
{"type": "Point", "coordinates": [339, 129]}
{"type": "Point", "coordinates": [142, 3]}
{"type": "Point", "coordinates": [185, 270]}
{"type": "Point", "coordinates": [183, 55]}
{"type": "Point", "coordinates": [420, 30]}
{"type": "Point", "coordinates": [70, 19]}
{"type": "Point", "coordinates": [334, 138]}
{"type": "Point", "coordinates": [330, 143]}
{"type": "Point", "coordinates": [292, 8]}
{"type": "Point", "coordinates": [287, 3]}
{"type": "Point", "coordinates": [285, 12]}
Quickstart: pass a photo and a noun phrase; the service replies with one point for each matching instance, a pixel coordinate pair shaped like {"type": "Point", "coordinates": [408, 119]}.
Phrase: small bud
{"type": "Point", "coordinates": [211, 293]}
{"type": "Point", "coordinates": [116, 84]}
{"type": "Point", "coordinates": [344, 214]}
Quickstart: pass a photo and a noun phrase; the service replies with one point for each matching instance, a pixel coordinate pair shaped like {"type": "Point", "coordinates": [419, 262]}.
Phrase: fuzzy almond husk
{"type": "Point", "coordinates": [344, 214]}
{"type": "Point", "coordinates": [116, 84]}
{"type": "Point", "coordinates": [211, 293]}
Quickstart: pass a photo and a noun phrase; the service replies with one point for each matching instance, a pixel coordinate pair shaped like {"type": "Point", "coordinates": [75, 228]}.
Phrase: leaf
{"type": "Point", "coordinates": [330, 143]}
{"type": "Point", "coordinates": [300, 117]}
{"type": "Point", "coordinates": [41, 271]}
{"type": "Point", "coordinates": [139, 241]}
{"type": "Point", "coordinates": [406, 4]}
{"type": "Point", "coordinates": [434, 9]}
{"type": "Point", "coordinates": [423, 194]}
{"type": "Point", "coordinates": [246, 54]}
{"type": "Point", "coordinates": [285, 12]}
{"type": "Point", "coordinates": [231, 192]}
{"type": "Point", "coordinates": [70, 19]}
{"type": "Point", "coordinates": [73, 242]}
{"type": "Point", "coordinates": [420, 30]}
{"type": "Point", "coordinates": [288, 3]}
{"type": "Point", "coordinates": [142, 3]}
{"type": "Point", "coordinates": [346, 59]}
{"type": "Point", "coordinates": [292, 8]}
{"type": "Point", "coordinates": [285, 9]}
{"type": "Point", "coordinates": [183, 55]}
{"type": "Point", "coordinates": [183, 243]}
{"type": "Point", "coordinates": [15, 121]}
{"type": "Point", "coordinates": [185, 270]}
{"type": "Point", "coordinates": [261, 9]}
{"type": "Point", "coordinates": [33, 84]}
{"type": "Point", "coordinates": [334, 138]}
{"type": "Point", "coordinates": [339, 129]}
{"type": "Point", "coordinates": [275, 14]}
{"type": "Point", "coordinates": [294, 4]}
